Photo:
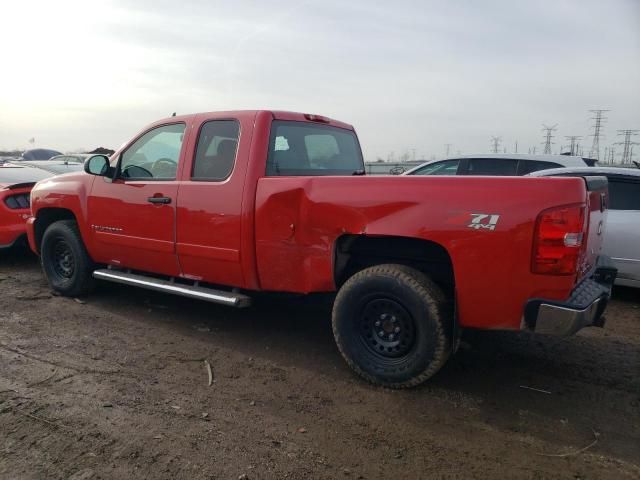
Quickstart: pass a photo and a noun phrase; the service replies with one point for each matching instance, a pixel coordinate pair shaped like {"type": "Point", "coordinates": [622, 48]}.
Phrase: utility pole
{"type": "Point", "coordinates": [548, 136]}
{"type": "Point", "coordinates": [627, 145]}
{"type": "Point", "coordinates": [448, 147]}
{"type": "Point", "coordinates": [598, 121]}
{"type": "Point", "coordinates": [495, 144]}
{"type": "Point", "coordinates": [574, 143]}
{"type": "Point", "coordinates": [516, 147]}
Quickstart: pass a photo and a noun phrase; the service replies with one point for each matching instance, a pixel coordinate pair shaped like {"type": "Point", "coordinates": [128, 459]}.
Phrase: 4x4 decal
{"type": "Point", "coordinates": [486, 221]}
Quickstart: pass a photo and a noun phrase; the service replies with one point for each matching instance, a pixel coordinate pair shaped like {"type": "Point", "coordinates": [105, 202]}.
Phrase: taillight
{"type": "Point", "coordinates": [559, 240]}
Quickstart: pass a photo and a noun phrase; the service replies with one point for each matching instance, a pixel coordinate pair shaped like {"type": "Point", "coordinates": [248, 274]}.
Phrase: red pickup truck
{"type": "Point", "coordinates": [216, 206]}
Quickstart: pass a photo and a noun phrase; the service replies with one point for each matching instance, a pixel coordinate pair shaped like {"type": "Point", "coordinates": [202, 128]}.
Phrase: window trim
{"type": "Point", "coordinates": [195, 151]}
{"type": "Point", "coordinates": [117, 171]}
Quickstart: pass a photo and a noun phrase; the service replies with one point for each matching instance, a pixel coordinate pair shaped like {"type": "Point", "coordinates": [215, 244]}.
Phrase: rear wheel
{"type": "Point", "coordinates": [65, 260]}
{"type": "Point", "coordinates": [392, 325]}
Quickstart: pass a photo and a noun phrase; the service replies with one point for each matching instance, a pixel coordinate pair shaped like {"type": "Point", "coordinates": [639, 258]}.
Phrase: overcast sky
{"type": "Point", "coordinates": [408, 74]}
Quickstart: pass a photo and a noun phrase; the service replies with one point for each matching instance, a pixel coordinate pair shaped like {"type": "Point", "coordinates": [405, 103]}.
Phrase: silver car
{"type": "Point", "coordinates": [622, 237]}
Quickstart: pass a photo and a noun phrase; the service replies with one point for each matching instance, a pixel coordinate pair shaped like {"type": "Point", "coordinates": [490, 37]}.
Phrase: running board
{"type": "Point", "coordinates": [201, 293]}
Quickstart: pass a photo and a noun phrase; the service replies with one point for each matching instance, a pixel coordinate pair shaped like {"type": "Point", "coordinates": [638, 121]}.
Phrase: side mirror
{"type": "Point", "coordinates": [97, 165]}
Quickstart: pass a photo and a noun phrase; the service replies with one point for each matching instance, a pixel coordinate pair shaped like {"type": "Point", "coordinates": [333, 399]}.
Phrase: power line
{"type": "Point", "coordinates": [627, 149]}
{"type": "Point", "coordinates": [548, 136]}
{"type": "Point", "coordinates": [574, 143]}
{"type": "Point", "coordinates": [495, 144]}
{"type": "Point", "coordinates": [598, 121]}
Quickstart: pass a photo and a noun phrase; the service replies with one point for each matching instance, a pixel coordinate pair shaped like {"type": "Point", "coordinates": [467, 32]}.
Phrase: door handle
{"type": "Point", "coordinates": [159, 200]}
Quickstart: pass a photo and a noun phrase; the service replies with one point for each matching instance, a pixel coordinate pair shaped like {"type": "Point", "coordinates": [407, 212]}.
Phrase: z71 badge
{"type": "Point", "coordinates": [487, 221]}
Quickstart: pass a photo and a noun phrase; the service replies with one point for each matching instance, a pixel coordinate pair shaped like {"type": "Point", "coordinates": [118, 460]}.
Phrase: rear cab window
{"type": "Point", "coordinates": [309, 149]}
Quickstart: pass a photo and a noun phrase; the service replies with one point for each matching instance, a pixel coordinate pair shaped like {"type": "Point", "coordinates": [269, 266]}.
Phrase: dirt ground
{"type": "Point", "coordinates": [115, 386]}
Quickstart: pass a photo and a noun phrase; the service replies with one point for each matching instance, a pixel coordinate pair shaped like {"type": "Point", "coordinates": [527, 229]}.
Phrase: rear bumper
{"type": "Point", "coordinates": [584, 308]}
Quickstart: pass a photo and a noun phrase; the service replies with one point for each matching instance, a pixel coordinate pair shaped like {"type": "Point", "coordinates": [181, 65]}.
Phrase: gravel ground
{"type": "Point", "coordinates": [115, 386]}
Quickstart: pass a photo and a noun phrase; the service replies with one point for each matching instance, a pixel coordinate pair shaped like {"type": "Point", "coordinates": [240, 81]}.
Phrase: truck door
{"type": "Point", "coordinates": [132, 216]}
{"type": "Point", "coordinates": [209, 207]}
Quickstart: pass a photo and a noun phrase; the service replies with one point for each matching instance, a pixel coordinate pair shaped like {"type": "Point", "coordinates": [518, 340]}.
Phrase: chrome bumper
{"type": "Point", "coordinates": [584, 308]}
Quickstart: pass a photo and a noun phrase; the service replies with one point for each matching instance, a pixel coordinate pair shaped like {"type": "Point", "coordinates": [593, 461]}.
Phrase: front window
{"type": "Point", "coordinates": [307, 149]}
{"type": "Point", "coordinates": [154, 155]}
{"type": "Point", "coordinates": [446, 167]}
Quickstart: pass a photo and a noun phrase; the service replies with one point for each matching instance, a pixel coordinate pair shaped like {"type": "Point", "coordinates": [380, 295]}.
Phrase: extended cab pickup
{"type": "Point", "coordinates": [217, 206]}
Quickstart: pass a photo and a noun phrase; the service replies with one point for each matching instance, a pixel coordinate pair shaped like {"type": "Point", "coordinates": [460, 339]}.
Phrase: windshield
{"type": "Point", "coordinates": [308, 149]}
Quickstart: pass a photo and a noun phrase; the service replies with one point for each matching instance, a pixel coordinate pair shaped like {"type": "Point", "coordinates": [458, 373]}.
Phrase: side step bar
{"type": "Point", "coordinates": [201, 293]}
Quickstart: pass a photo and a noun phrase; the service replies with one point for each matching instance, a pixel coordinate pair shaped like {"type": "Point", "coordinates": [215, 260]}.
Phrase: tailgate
{"type": "Point", "coordinates": [597, 201]}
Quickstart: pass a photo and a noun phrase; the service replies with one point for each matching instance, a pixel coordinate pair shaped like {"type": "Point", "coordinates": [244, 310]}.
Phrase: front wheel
{"type": "Point", "coordinates": [392, 325]}
{"type": "Point", "coordinates": [65, 260]}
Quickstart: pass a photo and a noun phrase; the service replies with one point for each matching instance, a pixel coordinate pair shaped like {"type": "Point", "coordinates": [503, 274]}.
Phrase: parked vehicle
{"type": "Point", "coordinates": [622, 239]}
{"type": "Point", "coordinates": [508, 164]}
{"type": "Point", "coordinates": [278, 202]}
{"type": "Point", "coordinates": [39, 154]}
{"type": "Point", "coordinates": [71, 157]}
{"type": "Point", "coordinates": [16, 181]}
{"type": "Point", "coordinates": [54, 166]}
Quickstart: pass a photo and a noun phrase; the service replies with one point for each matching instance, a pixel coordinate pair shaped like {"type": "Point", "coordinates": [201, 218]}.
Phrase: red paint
{"type": "Point", "coordinates": [12, 220]}
{"type": "Point", "coordinates": [279, 233]}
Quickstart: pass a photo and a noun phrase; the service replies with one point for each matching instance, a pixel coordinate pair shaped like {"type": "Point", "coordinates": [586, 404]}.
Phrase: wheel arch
{"type": "Point", "coordinates": [47, 216]}
{"type": "Point", "coordinates": [356, 252]}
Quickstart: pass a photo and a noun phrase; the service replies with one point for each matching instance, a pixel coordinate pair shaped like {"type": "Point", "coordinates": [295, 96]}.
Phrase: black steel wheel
{"type": "Point", "coordinates": [65, 260]}
{"type": "Point", "coordinates": [392, 325]}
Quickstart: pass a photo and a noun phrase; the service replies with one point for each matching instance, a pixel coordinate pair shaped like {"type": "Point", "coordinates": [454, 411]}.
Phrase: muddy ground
{"type": "Point", "coordinates": [115, 386]}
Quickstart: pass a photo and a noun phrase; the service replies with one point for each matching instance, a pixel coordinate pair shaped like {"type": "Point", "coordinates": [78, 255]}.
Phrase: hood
{"type": "Point", "coordinates": [16, 176]}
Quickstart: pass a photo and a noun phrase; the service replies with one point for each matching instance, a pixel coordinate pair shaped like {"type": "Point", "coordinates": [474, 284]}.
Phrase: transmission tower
{"type": "Point", "coordinates": [574, 143]}
{"type": "Point", "coordinates": [448, 147]}
{"type": "Point", "coordinates": [548, 136]}
{"type": "Point", "coordinates": [627, 144]}
{"type": "Point", "coordinates": [495, 144]}
{"type": "Point", "coordinates": [598, 121]}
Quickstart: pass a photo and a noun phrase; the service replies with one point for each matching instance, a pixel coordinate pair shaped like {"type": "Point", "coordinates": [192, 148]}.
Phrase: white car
{"type": "Point", "coordinates": [498, 164]}
{"type": "Point", "coordinates": [622, 234]}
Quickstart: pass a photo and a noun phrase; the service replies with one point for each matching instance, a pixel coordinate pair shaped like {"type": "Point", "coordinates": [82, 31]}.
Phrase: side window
{"type": "Point", "coordinates": [528, 166]}
{"type": "Point", "coordinates": [216, 150]}
{"type": "Point", "coordinates": [492, 166]}
{"type": "Point", "coordinates": [624, 195]}
{"type": "Point", "coordinates": [154, 155]}
{"type": "Point", "coordinates": [446, 167]}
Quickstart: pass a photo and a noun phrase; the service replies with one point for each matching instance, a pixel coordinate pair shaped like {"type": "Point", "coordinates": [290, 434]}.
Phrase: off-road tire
{"type": "Point", "coordinates": [65, 260]}
{"type": "Point", "coordinates": [406, 296]}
